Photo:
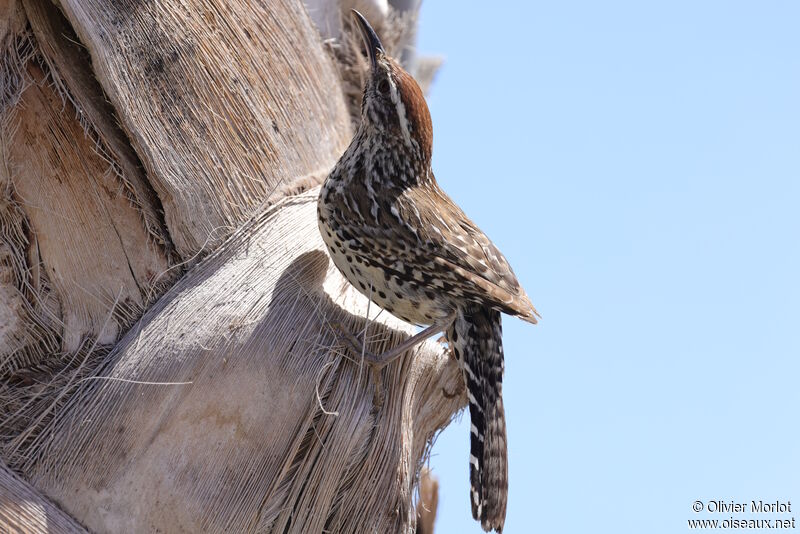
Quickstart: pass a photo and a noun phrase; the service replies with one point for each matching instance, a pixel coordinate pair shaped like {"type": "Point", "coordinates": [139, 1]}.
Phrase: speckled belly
{"type": "Point", "coordinates": [405, 300]}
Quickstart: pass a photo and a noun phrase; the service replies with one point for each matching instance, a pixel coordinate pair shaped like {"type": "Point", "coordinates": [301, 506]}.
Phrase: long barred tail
{"type": "Point", "coordinates": [477, 340]}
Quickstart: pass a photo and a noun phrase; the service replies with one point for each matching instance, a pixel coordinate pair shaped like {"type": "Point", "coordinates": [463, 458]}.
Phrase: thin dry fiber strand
{"type": "Point", "coordinates": [36, 396]}
{"type": "Point", "coordinates": [223, 101]}
{"type": "Point", "coordinates": [219, 412]}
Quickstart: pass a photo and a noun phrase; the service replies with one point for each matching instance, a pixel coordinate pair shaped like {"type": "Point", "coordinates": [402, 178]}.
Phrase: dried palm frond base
{"type": "Point", "coordinates": [133, 148]}
{"type": "Point", "coordinates": [231, 405]}
{"type": "Point", "coordinates": [428, 502]}
{"type": "Point", "coordinates": [23, 509]}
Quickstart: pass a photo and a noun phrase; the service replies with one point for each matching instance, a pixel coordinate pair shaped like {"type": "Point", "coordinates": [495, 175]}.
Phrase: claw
{"type": "Point", "coordinates": [357, 347]}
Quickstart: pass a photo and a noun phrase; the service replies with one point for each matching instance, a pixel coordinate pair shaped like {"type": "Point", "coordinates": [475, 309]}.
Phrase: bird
{"type": "Point", "coordinates": [398, 238]}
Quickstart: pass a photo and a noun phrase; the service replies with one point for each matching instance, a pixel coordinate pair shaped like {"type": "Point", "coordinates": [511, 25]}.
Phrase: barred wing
{"type": "Point", "coordinates": [460, 252]}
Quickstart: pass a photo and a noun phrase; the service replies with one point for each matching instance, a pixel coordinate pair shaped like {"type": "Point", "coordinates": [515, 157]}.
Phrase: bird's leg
{"type": "Point", "coordinates": [377, 362]}
{"type": "Point", "coordinates": [380, 360]}
{"type": "Point", "coordinates": [389, 356]}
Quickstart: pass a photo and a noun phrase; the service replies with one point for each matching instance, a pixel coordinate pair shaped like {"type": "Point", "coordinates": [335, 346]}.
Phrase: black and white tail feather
{"type": "Point", "coordinates": [476, 337]}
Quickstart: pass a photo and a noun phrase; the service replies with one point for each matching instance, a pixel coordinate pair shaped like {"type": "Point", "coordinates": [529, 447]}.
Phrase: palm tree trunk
{"type": "Point", "coordinates": [168, 313]}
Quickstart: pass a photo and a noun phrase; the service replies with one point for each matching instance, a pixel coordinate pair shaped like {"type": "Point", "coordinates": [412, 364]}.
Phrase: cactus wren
{"type": "Point", "coordinates": [398, 237]}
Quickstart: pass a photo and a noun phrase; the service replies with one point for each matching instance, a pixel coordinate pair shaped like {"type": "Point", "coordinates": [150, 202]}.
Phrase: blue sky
{"type": "Point", "coordinates": [639, 166]}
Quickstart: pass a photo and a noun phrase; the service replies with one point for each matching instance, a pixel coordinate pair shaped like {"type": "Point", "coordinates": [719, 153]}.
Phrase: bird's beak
{"type": "Point", "coordinates": [371, 40]}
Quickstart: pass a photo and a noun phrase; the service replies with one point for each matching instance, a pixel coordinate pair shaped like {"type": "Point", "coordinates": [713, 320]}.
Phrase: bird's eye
{"type": "Point", "coordinates": [383, 87]}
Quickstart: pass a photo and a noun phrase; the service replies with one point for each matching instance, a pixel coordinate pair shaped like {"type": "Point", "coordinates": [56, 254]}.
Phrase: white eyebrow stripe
{"type": "Point", "coordinates": [401, 110]}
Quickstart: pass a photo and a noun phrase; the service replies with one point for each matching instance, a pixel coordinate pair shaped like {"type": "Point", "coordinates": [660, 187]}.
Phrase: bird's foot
{"type": "Point", "coordinates": [379, 361]}
{"type": "Point", "coordinates": [374, 362]}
